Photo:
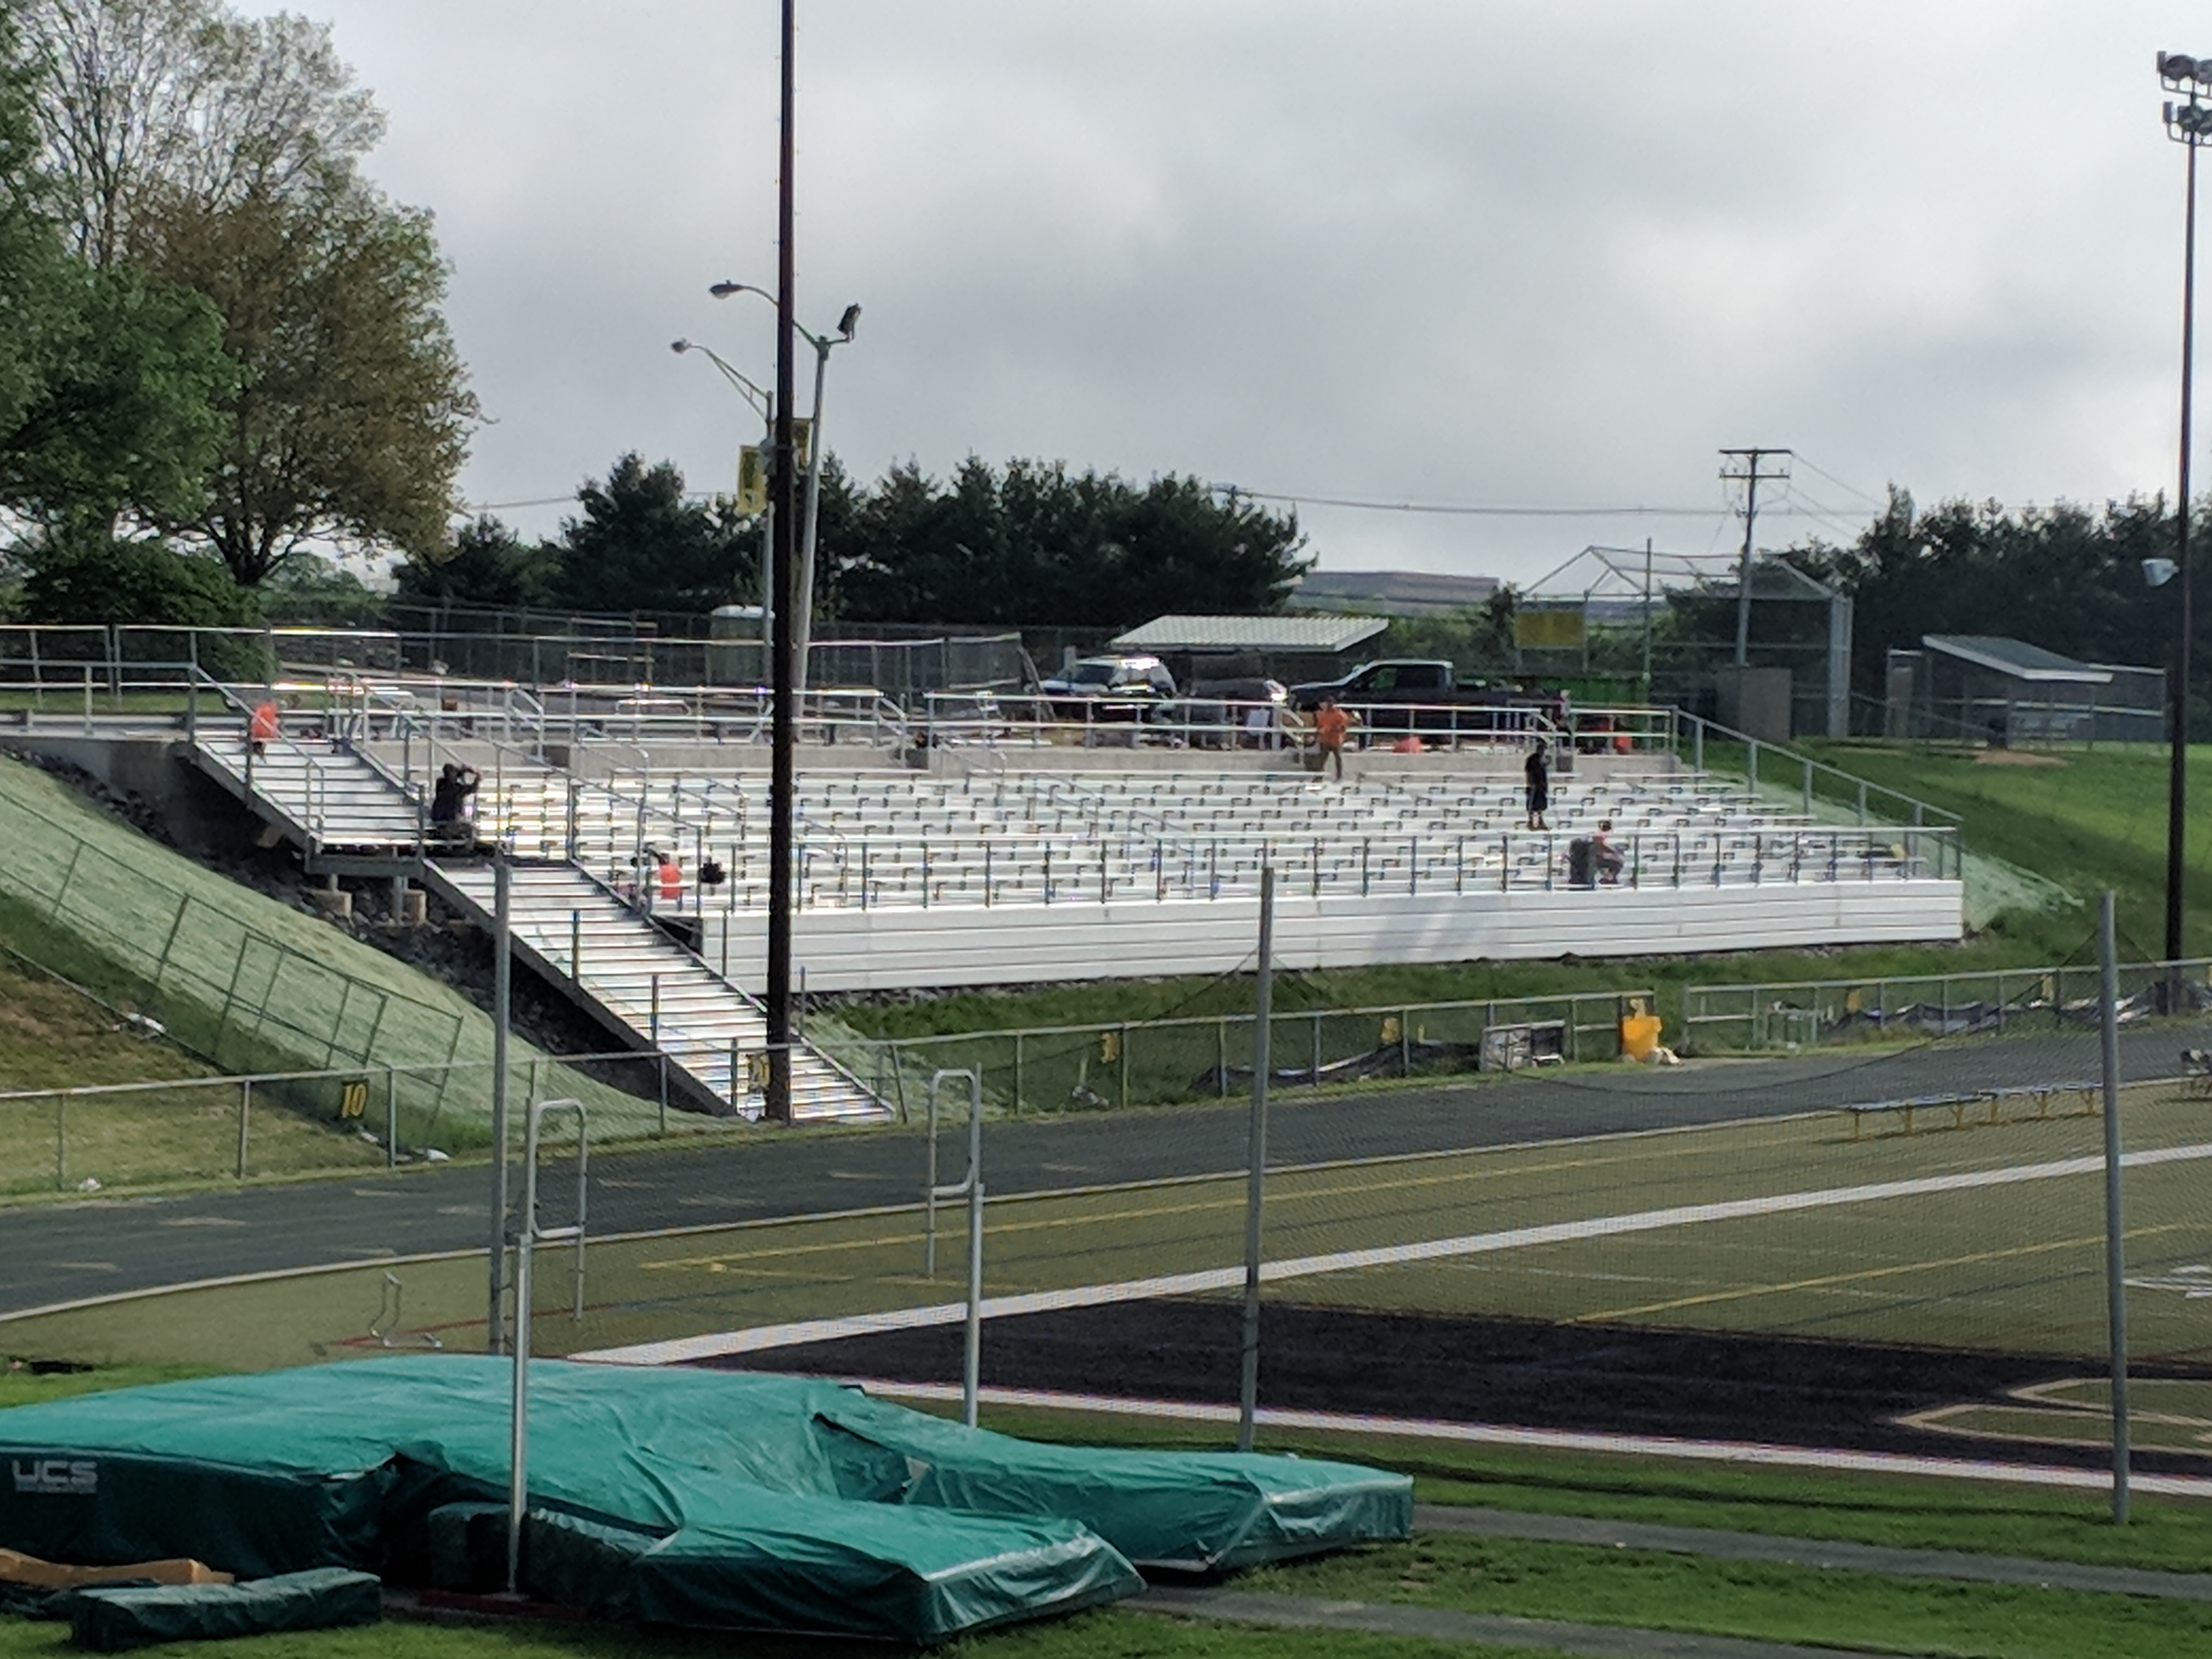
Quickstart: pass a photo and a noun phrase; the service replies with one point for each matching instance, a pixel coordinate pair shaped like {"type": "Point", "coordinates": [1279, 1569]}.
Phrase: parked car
{"type": "Point", "coordinates": [1239, 713]}
{"type": "Point", "coordinates": [1406, 694]}
{"type": "Point", "coordinates": [1108, 689]}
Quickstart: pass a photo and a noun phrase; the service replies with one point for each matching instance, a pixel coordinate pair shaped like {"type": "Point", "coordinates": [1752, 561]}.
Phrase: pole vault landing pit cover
{"type": "Point", "coordinates": [697, 1497]}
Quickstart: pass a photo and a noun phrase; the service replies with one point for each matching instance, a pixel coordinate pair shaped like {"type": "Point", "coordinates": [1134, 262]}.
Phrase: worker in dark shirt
{"type": "Point", "coordinates": [1540, 785]}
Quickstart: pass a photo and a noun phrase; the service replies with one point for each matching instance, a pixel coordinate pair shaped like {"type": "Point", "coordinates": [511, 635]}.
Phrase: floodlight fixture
{"type": "Point", "coordinates": [848, 322]}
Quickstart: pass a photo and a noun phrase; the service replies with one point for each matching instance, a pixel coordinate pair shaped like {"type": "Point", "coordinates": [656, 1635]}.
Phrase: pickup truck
{"type": "Point", "coordinates": [1402, 695]}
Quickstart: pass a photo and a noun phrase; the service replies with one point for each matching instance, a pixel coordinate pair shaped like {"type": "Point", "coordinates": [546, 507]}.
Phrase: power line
{"type": "Point", "coordinates": [1480, 510]}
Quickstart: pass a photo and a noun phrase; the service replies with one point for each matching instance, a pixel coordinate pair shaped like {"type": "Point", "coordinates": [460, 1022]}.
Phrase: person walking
{"type": "Point", "coordinates": [1332, 724]}
{"type": "Point", "coordinates": [263, 728]}
{"type": "Point", "coordinates": [1539, 770]}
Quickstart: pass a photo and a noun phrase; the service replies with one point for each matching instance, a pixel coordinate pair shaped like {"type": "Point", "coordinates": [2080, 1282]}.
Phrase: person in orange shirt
{"type": "Point", "coordinates": [672, 879]}
{"type": "Point", "coordinates": [1332, 724]}
{"type": "Point", "coordinates": [261, 730]}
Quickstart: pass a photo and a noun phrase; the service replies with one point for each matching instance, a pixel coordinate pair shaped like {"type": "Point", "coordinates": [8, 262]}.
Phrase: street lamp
{"type": "Point", "coordinates": [2188, 124]}
{"type": "Point", "coordinates": [764, 403]}
{"type": "Point", "coordinates": [802, 613]}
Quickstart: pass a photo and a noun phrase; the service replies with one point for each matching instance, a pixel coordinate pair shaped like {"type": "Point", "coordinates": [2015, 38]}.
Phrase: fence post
{"type": "Point", "coordinates": [1221, 1057]}
{"type": "Point", "coordinates": [1123, 1085]}
{"type": "Point", "coordinates": [1017, 1074]}
{"type": "Point", "coordinates": [244, 1115]}
{"type": "Point", "coordinates": [391, 1117]}
{"type": "Point", "coordinates": [61, 1142]}
{"type": "Point", "coordinates": [1315, 1077]}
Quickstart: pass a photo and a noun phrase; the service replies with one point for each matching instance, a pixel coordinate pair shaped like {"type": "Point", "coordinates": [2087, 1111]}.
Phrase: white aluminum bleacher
{"type": "Point", "coordinates": [908, 879]}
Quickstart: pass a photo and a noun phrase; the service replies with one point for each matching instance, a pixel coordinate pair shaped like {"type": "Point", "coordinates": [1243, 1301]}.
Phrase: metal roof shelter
{"type": "Point", "coordinates": [1391, 592]}
{"type": "Point", "coordinates": [1281, 647]}
{"type": "Point", "coordinates": [1981, 688]}
{"type": "Point", "coordinates": [2016, 659]}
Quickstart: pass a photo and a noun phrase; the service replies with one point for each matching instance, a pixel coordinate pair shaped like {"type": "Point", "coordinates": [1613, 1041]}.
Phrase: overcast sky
{"type": "Point", "coordinates": [1451, 253]}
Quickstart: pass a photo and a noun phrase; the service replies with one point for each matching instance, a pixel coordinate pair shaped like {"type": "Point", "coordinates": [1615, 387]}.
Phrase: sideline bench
{"type": "Point", "coordinates": [1992, 1101]}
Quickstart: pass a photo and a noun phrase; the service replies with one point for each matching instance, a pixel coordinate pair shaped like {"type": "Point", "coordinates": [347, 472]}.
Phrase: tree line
{"type": "Point", "coordinates": [1030, 543]}
{"type": "Point", "coordinates": [2067, 577]}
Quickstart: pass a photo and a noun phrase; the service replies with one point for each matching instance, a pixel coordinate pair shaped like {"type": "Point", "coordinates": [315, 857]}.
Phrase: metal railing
{"type": "Point", "coordinates": [1709, 746]}
{"type": "Point", "coordinates": [325, 1121]}
{"type": "Point", "coordinates": [1751, 1018]}
{"type": "Point", "coordinates": [1125, 1063]}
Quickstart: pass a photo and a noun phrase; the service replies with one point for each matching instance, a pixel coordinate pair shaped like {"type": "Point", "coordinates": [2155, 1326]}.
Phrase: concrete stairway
{"type": "Point", "coordinates": [326, 800]}
{"type": "Point", "coordinates": [648, 988]}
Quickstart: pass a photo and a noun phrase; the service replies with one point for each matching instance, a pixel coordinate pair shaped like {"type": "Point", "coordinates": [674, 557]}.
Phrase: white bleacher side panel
{"type": "Point", "coordinates": [852, 950]}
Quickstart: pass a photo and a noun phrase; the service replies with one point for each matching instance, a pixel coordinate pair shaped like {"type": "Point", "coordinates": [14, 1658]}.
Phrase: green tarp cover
{"type": "Point", "coordinates": [323, 1598]}
{"type": "Point", "coordinates": [764, 1502]}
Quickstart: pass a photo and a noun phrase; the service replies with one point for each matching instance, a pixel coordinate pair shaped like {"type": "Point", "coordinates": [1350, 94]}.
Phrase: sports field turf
{"type": "Point", "coordinates": [1987, 1236]}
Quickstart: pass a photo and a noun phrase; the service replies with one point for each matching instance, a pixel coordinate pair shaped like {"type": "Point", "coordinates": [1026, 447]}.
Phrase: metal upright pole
{"type": "Point", "coordinates": [1255, 1180]}
{"type": "Point", "coordinates": [495, 1339]}
{"type": "Point", "coordinates": [803, 600]}
{"type": "Point", "coordinates": [2116, 1303]}
{"type": "Point", "coordinates": [783, 680]}
{"type": "Point", "coordinates": [2177, 693]}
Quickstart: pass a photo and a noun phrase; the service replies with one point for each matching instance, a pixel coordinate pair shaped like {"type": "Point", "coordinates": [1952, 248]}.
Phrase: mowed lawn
{"type": "Point", "coordinates": [1995, 1244]}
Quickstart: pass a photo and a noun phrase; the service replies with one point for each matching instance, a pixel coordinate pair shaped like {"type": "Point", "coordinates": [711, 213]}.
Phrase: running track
{"type": "Point", "coordinates": [58, 1253]}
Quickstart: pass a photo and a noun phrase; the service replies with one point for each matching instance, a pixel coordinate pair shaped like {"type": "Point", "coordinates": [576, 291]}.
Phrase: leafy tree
{"type": "Point", "coordinates": [123, 417]}
{"type": "Point", "coordinates": [140, 100]}
{"type": "Point", "coordinates": [105, 377]}
{"type": "Point", "coordinates": [310, 590]}
{"type": "Point", "coordinates": [349, 420]}
{"type": "Point", "coordinates": [487, 564]}
{"type": "Point", "coordinates": [640, 545]}
{"type": "Point", "coordinates": [220, 153]}
{"type": "Point", "coordinates": [102, 580]}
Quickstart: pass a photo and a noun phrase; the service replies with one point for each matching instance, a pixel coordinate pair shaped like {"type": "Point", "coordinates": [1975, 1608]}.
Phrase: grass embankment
{"type": "Point", "coordinates": [2093, 820]}
{"type": "Point", "coordinates": [250, 984]}
{"type": "Point", "coordinates": [54, 1036]}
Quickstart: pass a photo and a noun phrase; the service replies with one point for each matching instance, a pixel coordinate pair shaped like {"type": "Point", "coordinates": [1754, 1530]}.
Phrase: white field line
{"type": "Point", "coordinates": [714, 1345]}
{"type": "Point", "coordinates": [1492, 1434]}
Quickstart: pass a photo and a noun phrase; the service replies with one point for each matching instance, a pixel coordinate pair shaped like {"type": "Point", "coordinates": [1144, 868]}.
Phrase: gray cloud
{"type": "Point", "coordinates": [1443, 253]}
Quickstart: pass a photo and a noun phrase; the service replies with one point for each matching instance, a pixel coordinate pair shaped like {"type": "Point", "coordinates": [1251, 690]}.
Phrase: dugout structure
{"type": "Point", "coordinates": [1667, 622]}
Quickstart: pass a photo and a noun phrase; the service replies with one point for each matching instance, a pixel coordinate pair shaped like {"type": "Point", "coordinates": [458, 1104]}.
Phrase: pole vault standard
{"type": "Point", "coordinates": [2116, 1266]}
{"type": "Point", "coordinates": [1255, 1188]}
{"type": "Point", "coordinates": [531, 1236]}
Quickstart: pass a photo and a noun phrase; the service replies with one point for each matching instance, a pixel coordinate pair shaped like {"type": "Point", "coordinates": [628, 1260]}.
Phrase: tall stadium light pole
{"type": "Point", "coordinates": [2188, 124]}
{"type": "Point", "coordinates": [782, 779]}
{"type": "Point", "coordinates": [822, 344]}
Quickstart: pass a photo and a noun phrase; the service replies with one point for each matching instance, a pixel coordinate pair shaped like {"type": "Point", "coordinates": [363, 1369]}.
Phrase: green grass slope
{"type": "Point", "coordinates": [246, 981]}
{"type": "Point", "coordinates": [2087, 819]}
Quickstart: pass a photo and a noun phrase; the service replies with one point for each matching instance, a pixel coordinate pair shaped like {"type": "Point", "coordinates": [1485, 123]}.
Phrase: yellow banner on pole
{"type": "Point", "coordinates": [752, 481]}
{"type": "Point", "coordinates": [1548, 630]}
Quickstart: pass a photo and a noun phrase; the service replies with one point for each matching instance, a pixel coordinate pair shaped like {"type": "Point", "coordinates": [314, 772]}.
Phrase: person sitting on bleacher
{"type": "Point", "coordinates": [449, 808]}
{"type": "Point", "coordinates": [1605, 855]}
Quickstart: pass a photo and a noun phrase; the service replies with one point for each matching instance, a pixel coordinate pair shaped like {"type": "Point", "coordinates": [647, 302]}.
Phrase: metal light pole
{"type": "Point", "coordinates": [822, 344]}
{"type": "Point", "coordinates": [2188, 124]}
{"type": "Point", "coordinates": [783, 731]}
{"type": "Point", "coordinates": [764, 403]}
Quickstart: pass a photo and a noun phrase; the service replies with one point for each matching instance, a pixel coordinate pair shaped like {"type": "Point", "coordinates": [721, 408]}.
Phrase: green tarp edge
{"type": "Point", "coordinates": [763, 1502]}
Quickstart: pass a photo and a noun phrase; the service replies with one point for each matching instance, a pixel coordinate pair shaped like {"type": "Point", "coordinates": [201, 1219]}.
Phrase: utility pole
{"type": "Point", "coordinates": [1741, 466]}
{"type": "Point", "coordinates": [783, 732]}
